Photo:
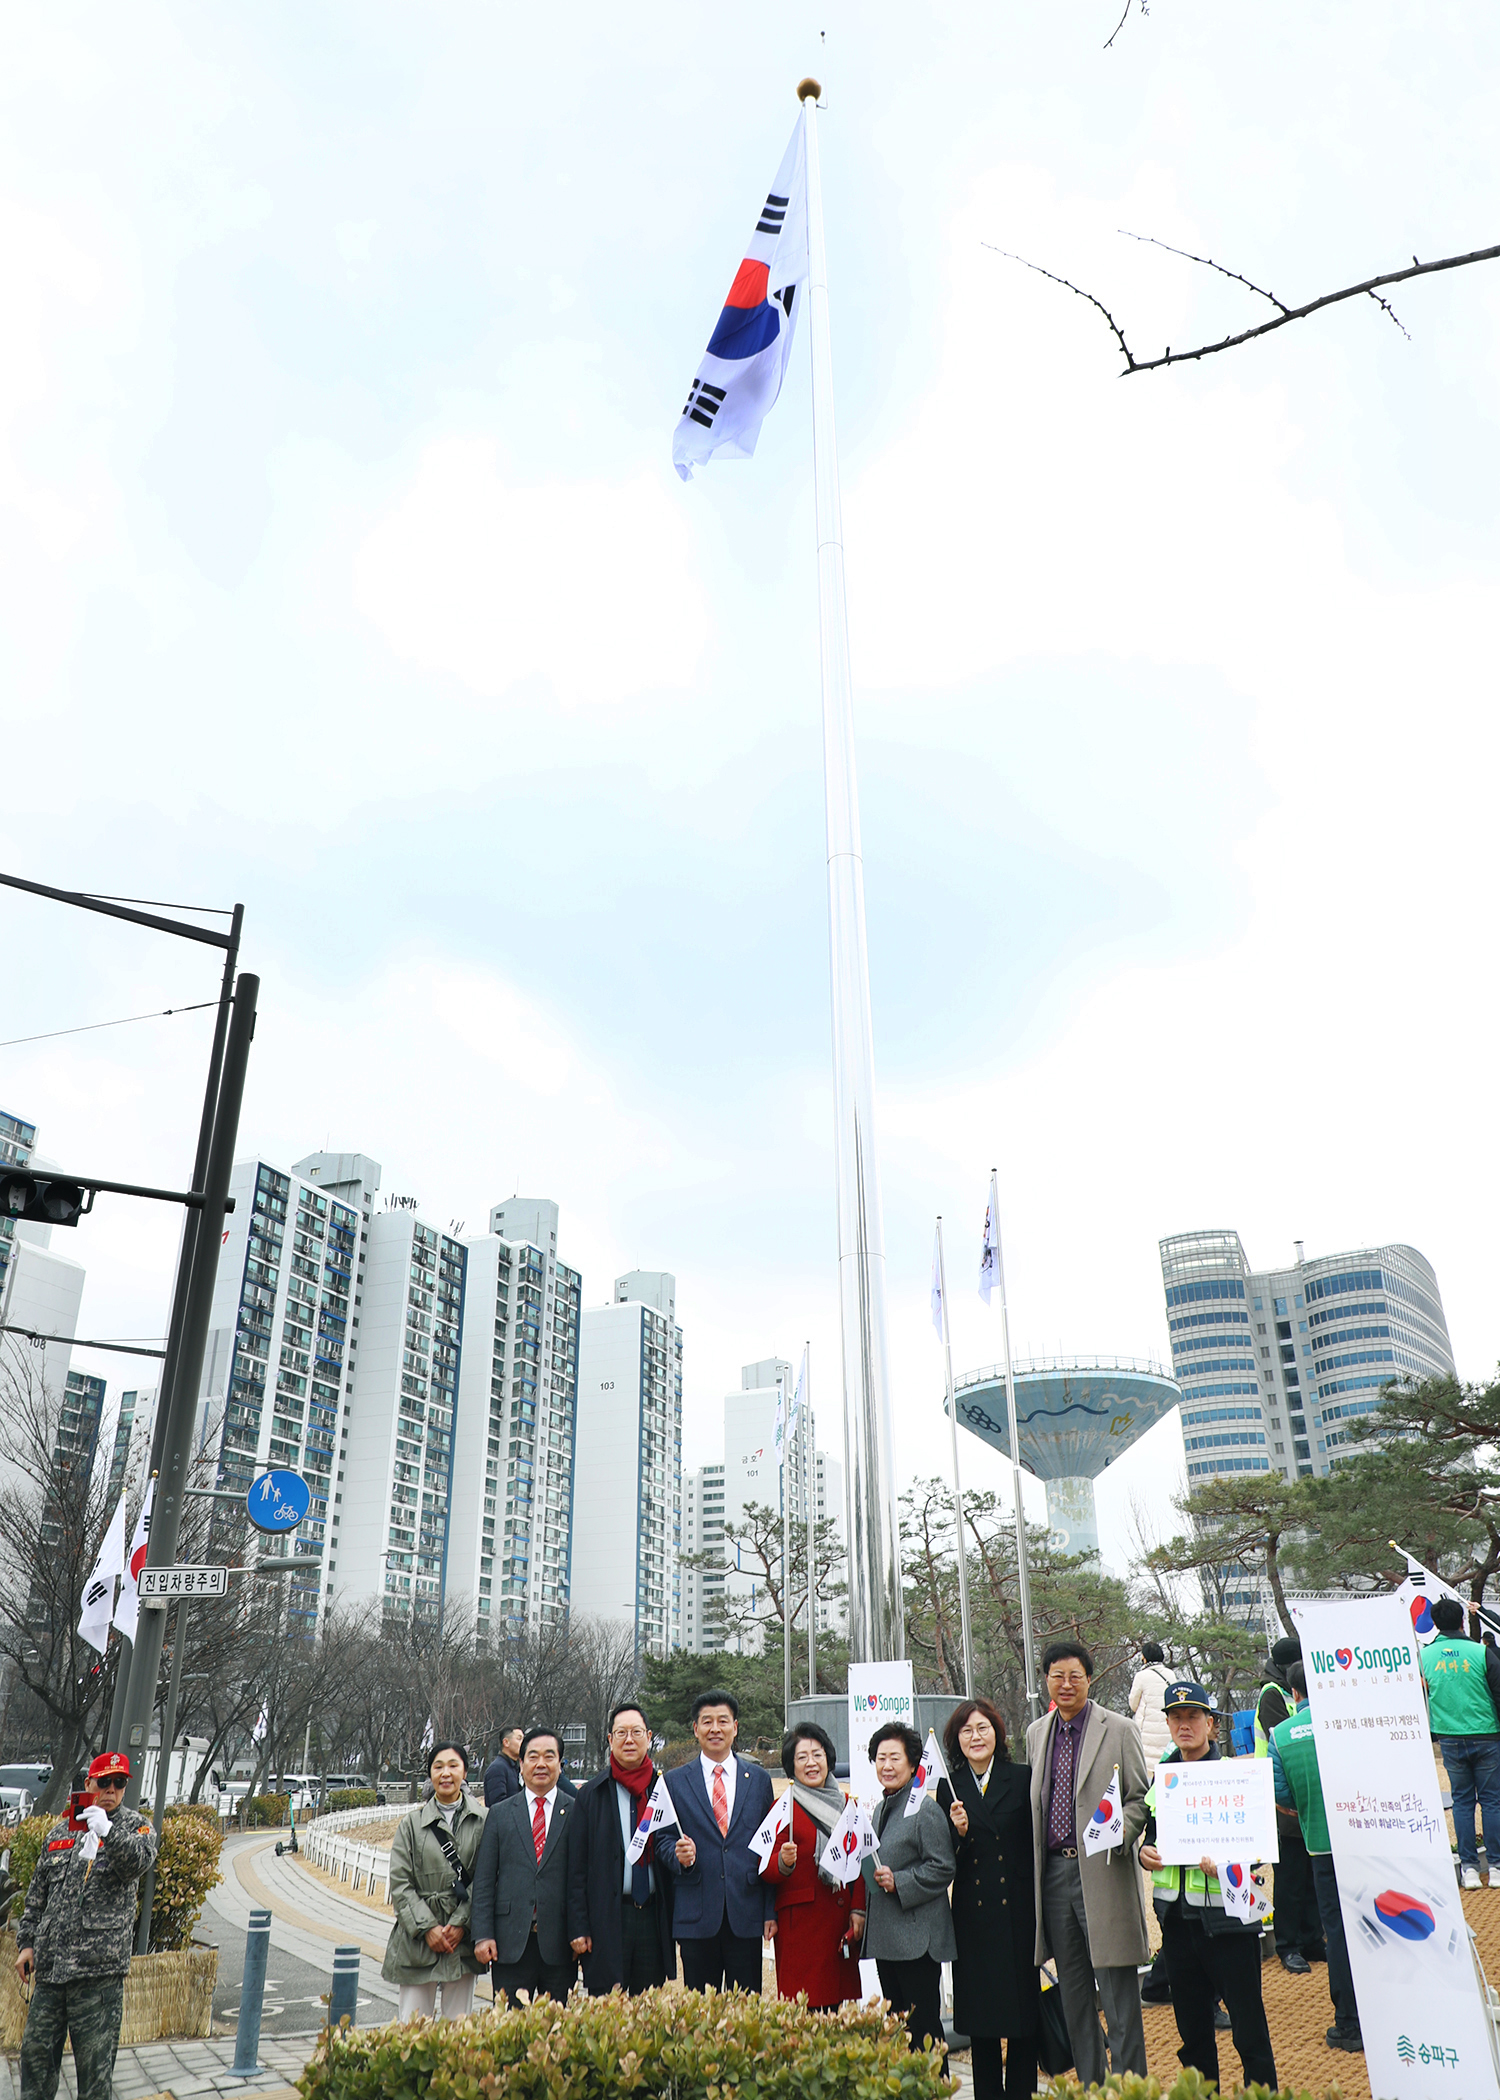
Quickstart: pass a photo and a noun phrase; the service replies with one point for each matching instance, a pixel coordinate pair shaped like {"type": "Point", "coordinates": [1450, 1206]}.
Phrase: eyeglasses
{"type": "Point", "coordinates": [977, 1725]}
{"type": "Point", "coordinates": [629, 1735]}
{"type": "Point", "coordinates": [1066, 1677]}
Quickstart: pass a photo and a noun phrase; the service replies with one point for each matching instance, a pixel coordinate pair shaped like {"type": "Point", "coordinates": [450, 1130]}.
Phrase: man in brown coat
{"type": "Point", "coordinates": [1090, 1909]}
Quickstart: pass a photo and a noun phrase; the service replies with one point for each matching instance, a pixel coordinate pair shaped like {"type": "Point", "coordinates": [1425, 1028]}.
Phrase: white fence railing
{"type": "Point", "coordinates": [330, 1842]}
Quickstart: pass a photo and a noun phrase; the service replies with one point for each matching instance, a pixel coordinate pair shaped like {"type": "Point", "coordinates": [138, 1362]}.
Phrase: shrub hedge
{"type": "Point", "coordinates": [671, 2043]}
{"type": "Point", "coordinates": [187, 1867]}
{"type": "Point", "coordinates": [351, 1797]}
{"type": "Point", "coordinates": [267, 1808]}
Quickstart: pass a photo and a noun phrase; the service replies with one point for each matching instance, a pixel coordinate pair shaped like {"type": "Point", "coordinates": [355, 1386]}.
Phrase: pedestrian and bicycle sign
{"type": "Point", "coordinates": [279, 1500]}
{"type": "Point", "coordinates": [158, 1586]}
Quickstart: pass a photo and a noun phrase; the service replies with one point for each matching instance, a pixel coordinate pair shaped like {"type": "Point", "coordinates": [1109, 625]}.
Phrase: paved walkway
{"type": "Point", "coordinates": [184, 2070]}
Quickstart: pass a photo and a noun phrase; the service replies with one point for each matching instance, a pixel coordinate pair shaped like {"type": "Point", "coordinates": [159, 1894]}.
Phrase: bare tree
{"type": "Point", "coordinates": [754, 1548]}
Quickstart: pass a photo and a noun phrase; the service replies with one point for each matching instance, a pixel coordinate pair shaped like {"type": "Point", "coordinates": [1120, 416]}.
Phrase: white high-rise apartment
{"type": "Point", "coordinates": [628, 1471]}
{"type": "Point", "coordinates": [751, 1475]}
{"type": "Point", "coordinates": [512, 1534]}
{"type": "Point", "coordinates": [703, 1532]}
{"type": "Point", "coordinates": [1279, 1367]}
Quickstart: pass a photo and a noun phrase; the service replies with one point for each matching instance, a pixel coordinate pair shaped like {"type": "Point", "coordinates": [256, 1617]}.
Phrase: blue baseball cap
{"type": "Point", "coordinates": [1184, 1693]}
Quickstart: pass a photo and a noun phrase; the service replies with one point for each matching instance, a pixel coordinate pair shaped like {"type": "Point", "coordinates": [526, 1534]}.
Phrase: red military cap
{"type": "Point", "coordinates": [109, 1761]}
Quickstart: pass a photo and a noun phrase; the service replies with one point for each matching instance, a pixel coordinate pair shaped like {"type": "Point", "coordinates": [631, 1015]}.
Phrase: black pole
{"type": "Point", "coordinates": [123, 1652]}
{"type": "Point", "coordinates": [193, 1220]}
{"type": "Point", "coordinates": [163, 1769]}
{"type": "Point", "coordinates": [191, 1339]}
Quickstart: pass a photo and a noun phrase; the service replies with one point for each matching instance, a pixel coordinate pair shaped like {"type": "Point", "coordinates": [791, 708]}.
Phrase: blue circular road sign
{"type": "Point", "coordinates": [279, 1500]}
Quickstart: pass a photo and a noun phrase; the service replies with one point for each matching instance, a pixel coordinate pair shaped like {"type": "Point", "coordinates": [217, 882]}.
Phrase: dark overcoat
{"type": "Point", "coordinates": [995, 1987]}
{"type": "Point", "coordinates": [596, 1885]}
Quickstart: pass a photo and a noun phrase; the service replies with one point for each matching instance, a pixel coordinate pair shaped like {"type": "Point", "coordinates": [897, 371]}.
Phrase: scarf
{"type": "Point", "coordinates": [824, 1804]}
{"type": "Point", "coordinates": [638, 1785]}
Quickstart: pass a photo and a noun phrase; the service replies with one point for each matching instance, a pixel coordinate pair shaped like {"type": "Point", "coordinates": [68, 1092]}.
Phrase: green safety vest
{"type": "Point", "coordinates": [1299, 1760]}
{"type": "Point", "coordinates": [1262, 1740]}
{"type": "Point", "coordinates": [1191, 1883]}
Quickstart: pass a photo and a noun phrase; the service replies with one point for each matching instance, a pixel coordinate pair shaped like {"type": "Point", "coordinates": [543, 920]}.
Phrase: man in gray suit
{"type": "Point", "coordinates": [520, 1900]}
{"type": "Point", "coordinates": [1090, 1909]}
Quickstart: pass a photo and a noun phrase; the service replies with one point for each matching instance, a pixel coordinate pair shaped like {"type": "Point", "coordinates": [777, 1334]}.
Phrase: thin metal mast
{"type": "Point", "coordinates": [958, 1492]}
{"type": "Point", "coordinates": [811, 1468]}
{"type": "Point", "coordinates": [1023, 1571]}
{"type": "Point", "coordinates": [876, 1628]}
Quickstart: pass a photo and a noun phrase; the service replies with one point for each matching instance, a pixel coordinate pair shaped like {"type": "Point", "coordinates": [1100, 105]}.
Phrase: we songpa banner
{"type": "Point", "coordinates": [1421, 2006]}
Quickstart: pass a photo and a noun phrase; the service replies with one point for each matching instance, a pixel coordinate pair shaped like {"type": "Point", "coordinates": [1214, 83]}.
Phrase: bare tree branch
{"type": "Point", "coordinates": [1145, 10]}
{"type": "Point", "coordinates": [1149, 240]}
{"type": "Point", "coordinates": [1368, 288]}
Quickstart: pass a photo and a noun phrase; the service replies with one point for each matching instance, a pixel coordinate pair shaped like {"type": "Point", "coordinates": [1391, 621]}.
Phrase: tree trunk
{"type": "Point", "coordinates": [59, 1786]}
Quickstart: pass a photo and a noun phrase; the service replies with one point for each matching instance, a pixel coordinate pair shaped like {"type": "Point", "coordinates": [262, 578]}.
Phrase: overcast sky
{"type": "Point", "coordinates": [345, 573]}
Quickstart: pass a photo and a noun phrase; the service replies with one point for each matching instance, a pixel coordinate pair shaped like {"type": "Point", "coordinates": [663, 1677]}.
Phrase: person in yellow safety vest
{"type": "Point", "coordinates": [1296, 1923]}
{"type": "Point", "coordinates": [1210, 1955]}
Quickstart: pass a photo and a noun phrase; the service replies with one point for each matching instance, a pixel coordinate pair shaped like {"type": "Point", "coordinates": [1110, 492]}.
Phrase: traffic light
{"type": "Point", "coordinates": [40, 1199]}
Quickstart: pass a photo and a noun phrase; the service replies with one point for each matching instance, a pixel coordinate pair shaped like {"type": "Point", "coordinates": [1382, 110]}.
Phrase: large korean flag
{"type": "Point", "coordinates": [741, 372]}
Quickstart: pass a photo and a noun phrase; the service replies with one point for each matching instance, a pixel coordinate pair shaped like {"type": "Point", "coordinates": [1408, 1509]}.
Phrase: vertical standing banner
{"type": "Point", "coordinates": [1421, 2007]}
{"type": "Point", "coordinates": [877, 1692]}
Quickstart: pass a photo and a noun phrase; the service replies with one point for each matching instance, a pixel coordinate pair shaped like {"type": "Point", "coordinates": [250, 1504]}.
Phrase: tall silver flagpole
{"type": "Point", "coordinates": [1023, 1570]}
{"type": "Point", "coordinates": [958, 1492]}
{"type": "Point", "coordinates": [876, 1627]}
{"type": "Point", "coordinates": [811, 1469]}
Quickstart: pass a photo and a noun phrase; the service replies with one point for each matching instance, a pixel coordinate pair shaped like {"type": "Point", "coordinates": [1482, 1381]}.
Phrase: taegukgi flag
{"type": "Point", "coordinates": [929, 1772]}
{"type": "Point", "coordinates": [98, 1603]}
{"type": "Point", "coordinates": [1420, 1592]}
{"type": "Point", "coordinates": [658, 1810]}
{"type": "Point", "coordinates": [742, 369]}
{"type": "Point", "coordinates": [1105, 1828]}
{"type": "Point", "coordinates": [1244, 1896]}
{"type": "Point", "coordinates": [778, 1824]}
{"type": "Point", "coordinates": [852, 1842]}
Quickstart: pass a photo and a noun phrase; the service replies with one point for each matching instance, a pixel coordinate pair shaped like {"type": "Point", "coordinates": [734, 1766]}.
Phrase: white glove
{"type": "Point", "coordinates": [97, 1820]}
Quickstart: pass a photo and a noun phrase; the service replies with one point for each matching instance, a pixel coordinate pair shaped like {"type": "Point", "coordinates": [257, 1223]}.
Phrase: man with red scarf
{"type": "Point", "coordinates": [619, 1915]}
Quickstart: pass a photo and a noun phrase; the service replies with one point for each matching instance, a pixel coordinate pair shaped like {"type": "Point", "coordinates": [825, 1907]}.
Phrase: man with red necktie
{"type": "Point", "coordinates": [520, 1900]}
{"type": "Point", "coordinates": [722, 1910]}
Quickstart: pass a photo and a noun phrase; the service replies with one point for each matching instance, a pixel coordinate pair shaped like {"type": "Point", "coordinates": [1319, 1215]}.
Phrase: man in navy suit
{"type": "Point", "coordinates": [722, 1909]}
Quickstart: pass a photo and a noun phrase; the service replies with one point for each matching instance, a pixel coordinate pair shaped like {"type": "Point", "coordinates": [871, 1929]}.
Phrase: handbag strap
{"type": "Point", "coordinates": [444, 1837]}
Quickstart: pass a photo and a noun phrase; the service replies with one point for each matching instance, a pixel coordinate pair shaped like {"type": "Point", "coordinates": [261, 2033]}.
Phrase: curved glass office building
{"type": "Point", "coordinates": [1279, 1367]}
{"type": "Point", "coordinates": [1074, 1416]}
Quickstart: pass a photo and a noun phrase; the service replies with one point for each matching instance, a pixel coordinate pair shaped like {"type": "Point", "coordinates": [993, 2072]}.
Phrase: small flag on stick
{"type": "Point", "coordinates": [778, 1824]}
{"type": "Point", "coordinates": [929, 1772]}
{"type": "Point", "coordinates": [658, 1810]}
{"type": "Point", "coordinates": [852, 1842]}
{"type": "Point", "coordinates": [1105, 1828]}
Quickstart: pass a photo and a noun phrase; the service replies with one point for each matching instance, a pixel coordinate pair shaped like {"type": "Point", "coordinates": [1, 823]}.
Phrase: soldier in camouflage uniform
{"type": "Point", "coordinates": [76, 1934]}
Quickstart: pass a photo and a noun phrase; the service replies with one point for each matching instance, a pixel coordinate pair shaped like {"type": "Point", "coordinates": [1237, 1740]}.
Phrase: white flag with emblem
{"type": "Point", "coordinates": [658, 1810]}
{"type": "Point", "coordinates": [929, 1772]}
{"type": "Point", "coordinates": [989, 1254]}
{"type": "Point", "coordinates": [778, 1433]}
{"type": "Point", "coordinates": [778, 1824]}
{"type": "Point", "coordinates": [128, 1610]}
{"type": "Point", "coordinates": [741, 371]}
{"type": "Point", "coordinates": [98, 1607]}
{"type": "Point", "coordinates": [1105, 1828]}
{"type": "Point", "coordinates": [935, 1293]}
{"type": "Point", "coordinates": [852, 1842]}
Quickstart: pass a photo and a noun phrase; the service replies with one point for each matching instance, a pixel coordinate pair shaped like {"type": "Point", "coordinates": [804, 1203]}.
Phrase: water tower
{"type": "Point", "coordinates": [1075, 1416]}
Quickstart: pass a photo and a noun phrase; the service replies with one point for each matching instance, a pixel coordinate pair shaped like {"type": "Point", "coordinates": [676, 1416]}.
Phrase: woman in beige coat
{"type": "Point", "coordinates": [430, 1950]}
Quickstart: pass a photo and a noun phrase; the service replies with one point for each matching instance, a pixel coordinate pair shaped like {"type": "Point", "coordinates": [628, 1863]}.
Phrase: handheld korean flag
{"type": "Point", "coordinates": [128, 1609]}
{"type": "Point", "coordinates": [853, 1842]}
{"type": "Point", "coordinates": [1105, 1828]}
{"type": "Point", "coordinates": [741, 371]}
{"type": "Point", "coordinates": [1244, 1896]}
{"type": "Point", "coordinates": [778, 1824]}
{"type": "Point", "coordinates": [929, 1772]}
{"type": "Point", "coordinates": [99, 1591]}
{"type": "Point", "coordinates": [1420, 1592]}
{"type": "Point", "coordinates": [658, 1810]}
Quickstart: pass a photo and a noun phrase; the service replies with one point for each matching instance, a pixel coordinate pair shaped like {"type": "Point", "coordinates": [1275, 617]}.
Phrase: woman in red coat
{"type": "Point", "coordinates": [818, 1926]}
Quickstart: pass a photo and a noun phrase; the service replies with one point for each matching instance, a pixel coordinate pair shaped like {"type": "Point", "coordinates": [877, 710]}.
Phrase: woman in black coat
{"type": "Point", "coordinates": [996, 1995]}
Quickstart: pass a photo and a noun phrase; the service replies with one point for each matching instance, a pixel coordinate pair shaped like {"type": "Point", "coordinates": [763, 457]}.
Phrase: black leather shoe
{"type": "Point", "coordinates": [1348, 2038]}
{"type": "Point", "coordinates": [1156, 1994]}
{"type": "Point", "coordinates": [1296, 1964]}
{"type": "Point", "coordinates": [1222, 2020]}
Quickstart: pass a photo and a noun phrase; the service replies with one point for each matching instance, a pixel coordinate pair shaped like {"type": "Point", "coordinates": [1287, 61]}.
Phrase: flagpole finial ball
{"type": "Point", "coordinates": [809, 90]}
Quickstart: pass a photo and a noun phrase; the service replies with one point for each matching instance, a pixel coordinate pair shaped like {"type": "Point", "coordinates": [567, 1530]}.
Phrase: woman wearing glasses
{"type": "Point", "coordinates": [996, 1997]}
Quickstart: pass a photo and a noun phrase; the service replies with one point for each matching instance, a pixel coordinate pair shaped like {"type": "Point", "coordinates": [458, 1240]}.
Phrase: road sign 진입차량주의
{"type": "Point", "coordinates": [160, 1586]}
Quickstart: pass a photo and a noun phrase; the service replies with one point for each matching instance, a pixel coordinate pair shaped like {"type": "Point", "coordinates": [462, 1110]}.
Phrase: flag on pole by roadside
{"type": "Point", "coordinates": [935, 1295]}
{"type": "Point", "coordinates": [929, 1772]}
{"type": "Point", "coordinates": [98, 1606]}
{"type": "Point", "coordinates": [658, 1810]}
{"type": "Point", "coordinates": [851, 1843]}
{"type": "Point", "coordinates": [1105, 1828]}
{"type": "Point", "coordinates": [778, 1433]}
{"type": "Point", "coordinates": [989, 1258]}
{"type": "Point", "coordinates": [258, 1732]}
{"type": "Point", "coordinates": [427, 1734]}
{"type": "Point", "coordinates": [778, 1824]}
{"type": "Point", "coordinates": [128, 1609]}
{"type": "Point", "coordinates": [741, 371]}
{"type": "Point", "coordinates": [796, 1413]}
